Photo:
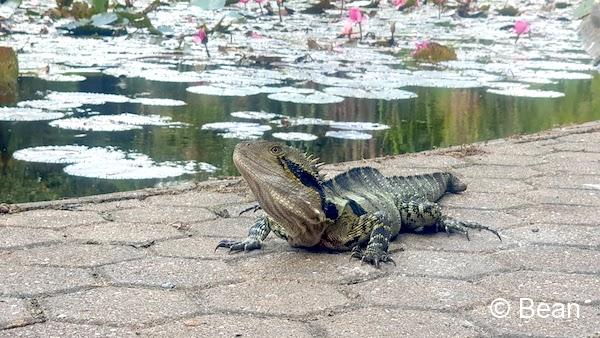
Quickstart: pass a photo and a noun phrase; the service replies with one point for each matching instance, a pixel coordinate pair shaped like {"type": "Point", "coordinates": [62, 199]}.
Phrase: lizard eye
{"type": "Point", "coordinates": [276, 150]}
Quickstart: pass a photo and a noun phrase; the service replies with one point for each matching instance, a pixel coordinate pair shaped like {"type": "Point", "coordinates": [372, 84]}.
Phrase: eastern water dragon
{"type": "Point", "coordinates": [359, 210]}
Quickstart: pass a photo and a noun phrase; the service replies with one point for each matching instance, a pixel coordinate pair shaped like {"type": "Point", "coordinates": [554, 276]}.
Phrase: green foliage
{"type": "Point", "coordinates": [100, 6]}
{"type": "Point", "coordinates": [585, 8]}
{"type": "Point", "coordinates": [508, 11]}
{"type": "Point", "coordinates": [435, 52]}
{"type": "Point", "coordinates": [9, 72]}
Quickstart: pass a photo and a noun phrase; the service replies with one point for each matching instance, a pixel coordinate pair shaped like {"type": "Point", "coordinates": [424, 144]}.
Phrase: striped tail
{"type": "Point", "coordinates": [431, 186]}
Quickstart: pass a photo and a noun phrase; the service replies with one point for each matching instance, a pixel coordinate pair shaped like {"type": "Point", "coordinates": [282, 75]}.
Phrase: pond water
{"type": "Point", "coordinates": [178, 116]}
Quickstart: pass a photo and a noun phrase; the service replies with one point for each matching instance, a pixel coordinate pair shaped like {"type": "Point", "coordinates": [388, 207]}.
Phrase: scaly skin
{"type": "Point", "coordinates": [359, 210]}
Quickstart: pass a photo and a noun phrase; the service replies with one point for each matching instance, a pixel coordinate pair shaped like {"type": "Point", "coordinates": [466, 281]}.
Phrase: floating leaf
{"type": "Point", "coordinates": [66, 154]}
{"type": "Point", "coordinates": [208, 4]}
{"type": "Point", "coordinates": [522, 92]}
{"type": "Point", "coordinates": [358, 125]}
{"type": "Point", "coordinates": [148, 101]}
{"type": "Point", "coordinates": [224, 91]}
{"type": "Point", "coordinates": [241, 130]}
{"type": "Point", "coordinates": [349, 135]}
{"type": "Point", "coordinates": [109, 163]}
{"type": "Point", "coordinates": [62, 78]}
{"type": "Point", "coordinates": [255, 115]}
{"type": "Point", "coordinates": [86, 98]}
{"type": "Point", "coordinates": [119, 122]}
{"type": "Point", "coordinates": [295, 136]}
{"type": "Point", "coordinates": [27, 114]}
{"type": "Point", "coordinates": [315, 98]}
{"type": "Point", "coordinates": [49, 105]}
{"type": "Point", "coordinates": [375, 94]}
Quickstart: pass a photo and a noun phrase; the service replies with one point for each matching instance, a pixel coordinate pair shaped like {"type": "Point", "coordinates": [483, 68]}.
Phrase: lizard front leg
{"type": "Point", "coordinates": [257, 233]}
{"type": "Point", "coordinates": [381, 233]}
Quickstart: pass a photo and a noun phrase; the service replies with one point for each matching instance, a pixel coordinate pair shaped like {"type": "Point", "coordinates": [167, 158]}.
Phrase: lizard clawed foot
{"type": "Point", "coordinates": [452, 225]}
{"type": "Point", "coordinates": [237, 246]}
{"type": "Point", "coordinates": [372, 256]}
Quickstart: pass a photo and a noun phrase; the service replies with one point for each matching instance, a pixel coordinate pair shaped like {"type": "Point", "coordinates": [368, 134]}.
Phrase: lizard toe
{"type": "Point", "coordinates": [238, 246]}
{"type": "Point", "coordinates": [373, 257]}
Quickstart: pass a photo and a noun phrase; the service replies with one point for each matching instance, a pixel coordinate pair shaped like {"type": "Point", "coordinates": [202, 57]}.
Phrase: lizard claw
{"type": "Point", "coordinates": [371, 256]}
{"type": "Point", "coordinates": [453, 225]}
{"type": "Point", "coordinates": [238, 246]}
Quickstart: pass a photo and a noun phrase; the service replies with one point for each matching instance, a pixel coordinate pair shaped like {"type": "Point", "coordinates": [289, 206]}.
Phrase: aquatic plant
{"type": "Point", "coordinates": [260, 2]}
{"type": "Point", "coordinates": [433, 52]}
{"type": "Point", "coordinates": [202, 38]}
{"type": "Point", "coordinates": [356, 17]}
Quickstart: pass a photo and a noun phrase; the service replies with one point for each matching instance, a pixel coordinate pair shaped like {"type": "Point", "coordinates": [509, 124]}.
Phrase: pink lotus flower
{"type": "Point", "coordinates": [200, 37]}
{"type": "Point", "coordinates": [356, 15]}
{"type": "Point", "coordinates": [399, 3]}
{"type": "Point", "coordinates": [419, 46]}
{"type": "Point", "coordinates": [522, 27]}
{"type": "Point", "coordinates": [244, 1]}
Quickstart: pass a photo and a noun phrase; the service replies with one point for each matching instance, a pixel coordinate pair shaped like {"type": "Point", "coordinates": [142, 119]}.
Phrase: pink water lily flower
{"type": "Point", "coordinates": [419, 46]}
{"type": "Point", "coordinates": [521, 27]}
{"type": "Point", "coordinates": [200, 37]}
{"type": "Point", "coordinates": [356, 15]}
{"type": "Point", "coordinates": [399, 3]}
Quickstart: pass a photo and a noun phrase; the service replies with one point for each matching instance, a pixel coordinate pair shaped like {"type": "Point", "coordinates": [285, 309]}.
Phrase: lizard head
{"type": "Point", "coordinates": [287, 185]}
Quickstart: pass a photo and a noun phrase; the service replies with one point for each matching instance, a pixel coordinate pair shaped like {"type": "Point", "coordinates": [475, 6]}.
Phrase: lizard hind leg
{"type": "Point", "coordinates": [449, 224]}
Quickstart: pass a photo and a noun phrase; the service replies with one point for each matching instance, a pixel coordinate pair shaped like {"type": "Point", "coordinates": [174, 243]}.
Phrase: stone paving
{"type": "Point", "coordinates": [143, 263]}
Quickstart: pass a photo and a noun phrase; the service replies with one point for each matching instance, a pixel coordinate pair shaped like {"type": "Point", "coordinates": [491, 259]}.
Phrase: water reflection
{"type": "Point", "coordinates": [437, 118]}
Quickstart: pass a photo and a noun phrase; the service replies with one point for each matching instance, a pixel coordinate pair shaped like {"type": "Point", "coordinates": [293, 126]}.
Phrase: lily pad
{"type": "Point", "coordinates": [86, 98]}
{"type": "Point", "coordinates": [315, 98]}
{"type": "Point", "coordinates": [241, 130]}
{"type": "Point", "coordinates": [121, 122]}
{"type": "Point", "coordinates": [523, 92]}
{"type": "Point", "coordinates": [67, 154]}
{"type": "Point", "coordinates": [158, 102]}
{"type": "Point", "coordinates": [349, 135]}
{"type": "Point", "coordinates": [49, 104]}
{"type": "Point", "coordinates": [208, 4]}
{"type": "Point", "coordinates": [63, 78]}
{"type": "Point", "coordinates": [109, 163]}
{"type": "Point", "coordinates": [295, 136]}
{"type": "Point", "coordinates": [358, 125]}
{"type": "Point", "coordinates": [136, 166]}
{"type": "Point", "coordinates": [255, 115]}
{"type": "Point", "coordinates": [224, 91]}
{"type": "Point", "coordinates": [27, 114]}
{"type": "Point", "coordinates": [375, 94]}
